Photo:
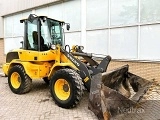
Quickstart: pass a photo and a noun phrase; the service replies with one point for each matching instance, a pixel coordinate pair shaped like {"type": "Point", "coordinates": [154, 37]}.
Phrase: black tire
{"type": "Point", "coordinates": [46, 80]}
{"type": "Point", "coordinates": [19, 85]}
{"type": "Point", "coordinates": [75, 87]}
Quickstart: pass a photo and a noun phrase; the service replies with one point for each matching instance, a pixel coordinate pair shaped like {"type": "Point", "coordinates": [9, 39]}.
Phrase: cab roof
{"type": "Point", "coordinates": [33, 16]}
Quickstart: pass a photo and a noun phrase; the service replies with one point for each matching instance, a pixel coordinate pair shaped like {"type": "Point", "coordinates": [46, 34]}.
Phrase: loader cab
{"type": "Point", "coordinates": [41, 32]}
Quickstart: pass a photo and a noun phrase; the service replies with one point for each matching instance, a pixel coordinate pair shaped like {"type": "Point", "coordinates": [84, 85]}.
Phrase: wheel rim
{"type": "Point", "coordinates": [62, 89]}
{"type": "Point", "coordinates": [15, 80]}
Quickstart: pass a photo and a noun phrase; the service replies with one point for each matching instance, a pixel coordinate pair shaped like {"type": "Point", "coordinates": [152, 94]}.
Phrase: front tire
{"type": "Point", "coordinates": [66, 88]}
{"type": "Point", "coordinates": [19, 82]}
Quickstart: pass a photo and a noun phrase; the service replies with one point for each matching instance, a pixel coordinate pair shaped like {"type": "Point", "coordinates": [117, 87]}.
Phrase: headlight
{"type": "Point", "coordinates": [81, 47]}
{"type": "Point", "coordinates": [53, 46]}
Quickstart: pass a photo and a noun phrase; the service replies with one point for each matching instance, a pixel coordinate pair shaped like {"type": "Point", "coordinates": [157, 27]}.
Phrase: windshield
{"type": "Point", "coordinates": [51, 31]}
{"type": "Point", "coordinates": [32, 36]}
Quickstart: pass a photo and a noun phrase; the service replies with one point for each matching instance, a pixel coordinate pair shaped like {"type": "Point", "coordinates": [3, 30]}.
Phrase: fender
{"type": "Point", "coordinates": [36, 70]}
{"type": "Point", "coordinates": [58, 66]}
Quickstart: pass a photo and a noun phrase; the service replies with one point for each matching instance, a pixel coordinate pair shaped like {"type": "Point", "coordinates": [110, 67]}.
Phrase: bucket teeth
{"type": "Point", "coordinates": [118, 89]}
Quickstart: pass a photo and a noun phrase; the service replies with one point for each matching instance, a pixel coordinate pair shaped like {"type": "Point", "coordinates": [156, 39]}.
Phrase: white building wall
{"type": "Point", "coordinates": [123, 29]}
{"type": "Point", "coordinates": [1, 28]}
{"type": "Point", "coordinates": [9, 7]}
{"type": "Point", "coordinates": [13, 6]}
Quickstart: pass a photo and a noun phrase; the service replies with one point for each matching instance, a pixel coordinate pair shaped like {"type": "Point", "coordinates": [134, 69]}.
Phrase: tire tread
{"type": "Point", "coordinates": [78, 86]}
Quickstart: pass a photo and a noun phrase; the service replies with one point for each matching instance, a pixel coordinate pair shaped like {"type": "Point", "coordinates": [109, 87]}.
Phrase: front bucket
{"type": "Point", "coordinates": [111, 92]}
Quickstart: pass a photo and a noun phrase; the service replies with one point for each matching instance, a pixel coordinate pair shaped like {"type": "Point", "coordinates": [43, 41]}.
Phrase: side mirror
{"type": "Point", "coordinates": [68, 26]}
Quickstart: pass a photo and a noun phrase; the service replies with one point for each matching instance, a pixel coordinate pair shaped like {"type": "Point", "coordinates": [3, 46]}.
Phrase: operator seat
{"type": "Point", "coordinates": [35, 39]}
{"type": "Point", "coordinates": [43, 47]}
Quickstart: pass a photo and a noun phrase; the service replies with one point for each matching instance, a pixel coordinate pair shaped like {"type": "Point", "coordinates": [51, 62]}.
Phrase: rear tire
{"type": "Point", "coordinates": [19, 82]}
{"type": "Point", "coordinates": [66, 88]}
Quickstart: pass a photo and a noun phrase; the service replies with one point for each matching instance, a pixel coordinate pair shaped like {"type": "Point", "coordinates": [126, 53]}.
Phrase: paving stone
{"type": "Point", "coordinates": [38, 105]}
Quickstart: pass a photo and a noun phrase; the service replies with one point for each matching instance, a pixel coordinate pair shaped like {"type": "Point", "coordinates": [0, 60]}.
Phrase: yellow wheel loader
{"type": "Point", "coordinates": [69, 70]}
